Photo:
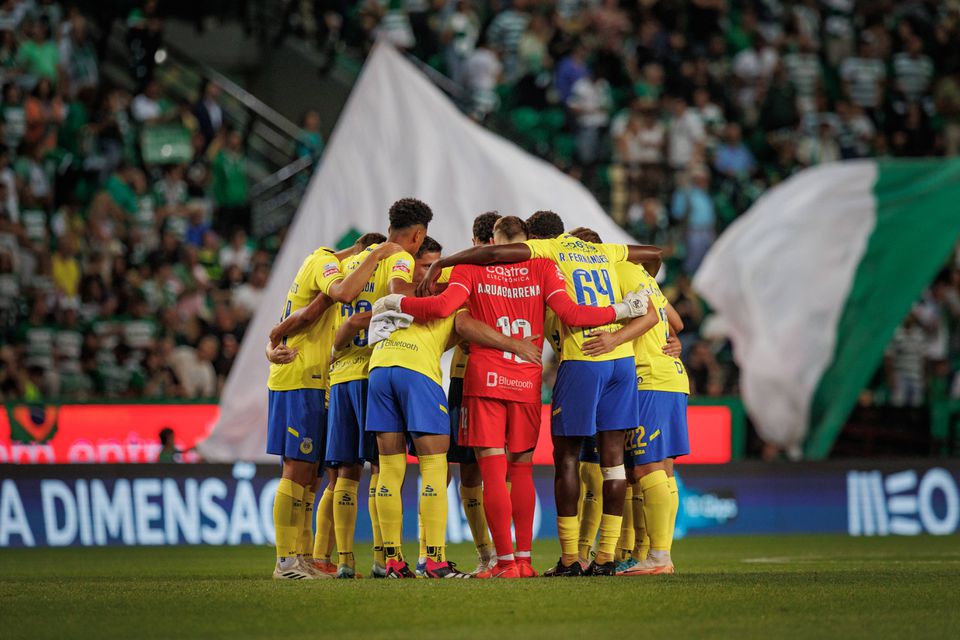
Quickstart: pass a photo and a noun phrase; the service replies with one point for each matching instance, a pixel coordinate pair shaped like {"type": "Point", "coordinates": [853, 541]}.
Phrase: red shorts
{"type": "Point", "coordinates": [490, 422]}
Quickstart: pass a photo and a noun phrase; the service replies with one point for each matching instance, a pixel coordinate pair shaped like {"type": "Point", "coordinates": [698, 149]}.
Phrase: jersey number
{"type": "Point", "coordinates": [347, 310]}
{"type": "Point", "coordinates": [518, 327]}
{"type": "Point", "coordinates": [592, 285]}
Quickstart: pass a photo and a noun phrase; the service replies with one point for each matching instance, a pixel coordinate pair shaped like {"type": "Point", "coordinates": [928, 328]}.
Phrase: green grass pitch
{"type": "Point", "coordinates": [738, 587]}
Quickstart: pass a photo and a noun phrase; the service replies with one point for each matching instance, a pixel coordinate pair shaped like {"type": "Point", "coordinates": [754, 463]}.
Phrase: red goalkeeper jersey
{"type": "Point", "coordinates": [509, 298]}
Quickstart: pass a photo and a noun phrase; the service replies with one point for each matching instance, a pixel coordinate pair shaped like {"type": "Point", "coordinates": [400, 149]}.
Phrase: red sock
{"type": "Point", "coordinates": [496, 501]}
{"type": "Point", "coordinates": [524, 499]}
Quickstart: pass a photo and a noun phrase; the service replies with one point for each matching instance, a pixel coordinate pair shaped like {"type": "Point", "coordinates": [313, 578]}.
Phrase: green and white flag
{"type": "Point", "coordinates": [813, 280]}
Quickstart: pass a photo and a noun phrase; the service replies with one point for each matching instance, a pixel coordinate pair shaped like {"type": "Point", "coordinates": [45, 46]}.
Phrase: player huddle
{"type": "Point", "coordinates": [355, 378]}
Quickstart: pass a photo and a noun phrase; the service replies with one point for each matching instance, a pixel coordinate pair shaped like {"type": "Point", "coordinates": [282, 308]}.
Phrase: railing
{"type": "Point", "coordinates": [277, 174]}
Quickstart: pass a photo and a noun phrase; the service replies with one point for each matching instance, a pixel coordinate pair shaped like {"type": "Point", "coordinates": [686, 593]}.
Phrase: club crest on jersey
{"type": "Point", "coordinates": [330, 269]}
{"type": "Point", "coordinates": [306, 446]}
{"type": "Point", "coordinates": [401, 265]}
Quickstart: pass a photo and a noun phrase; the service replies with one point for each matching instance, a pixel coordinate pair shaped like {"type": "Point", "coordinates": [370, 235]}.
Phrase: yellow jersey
{"type": "Point", "coordinates": [552, 332]}
{"type": "Point", "coordinates": [591, 280]}
{"type": "Point", "coordinates": [352, 363]}
{"type": "Point", "coordinates": [309, 369]}
{"type": "Point", "coordinates": [458, 365]}
{"type": "Point", "coordinates": [656, 371]}
{"type": "Point", "coordinates": [417, 347]}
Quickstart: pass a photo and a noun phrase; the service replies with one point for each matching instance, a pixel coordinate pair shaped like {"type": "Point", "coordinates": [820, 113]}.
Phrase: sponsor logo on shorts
{"type": "Point", "coordinates": [306, 446]}
{"type": "Point", "coordinates": [495, 379]}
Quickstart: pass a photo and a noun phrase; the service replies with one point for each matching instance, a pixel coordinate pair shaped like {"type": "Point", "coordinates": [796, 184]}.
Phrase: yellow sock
{"type": "Point", "coordinates": [422, 537]}
{"type": "Point", "coordinates": [567, 530]}
{"type": "Point", "coordinates": [375, 519]}
{"type": "Point", "coordinates": [592, 507]}
{"type": "Point", "coordinates": [389, 503]}
{"type": "Point", "coordinates": [433, 504]}
{"type": "Point", "coordinates": [625, 544]}
{"type": "Point", "coordinates": [345, 518]}
{"type": "Point", "coordinates": [610, 526]}
{"type": "Point", "coordinates": [674, 507]}
{"type": "Point", "coordinates": [472, 500]}
{"type": "Point", "coordinates": [287, 517]}
{"type": "Point", "coordinates": [641, 541]}
{"type": "Point", "coordinates": [656, 509]}
{"type": "Point", "coordinates": [305, 539]}
{"type": "Point", "coordinates": [322, 546]}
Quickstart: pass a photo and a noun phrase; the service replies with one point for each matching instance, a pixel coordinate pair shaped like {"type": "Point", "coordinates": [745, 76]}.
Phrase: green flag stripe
{"type": "Point", "coordinates": [918, 223]}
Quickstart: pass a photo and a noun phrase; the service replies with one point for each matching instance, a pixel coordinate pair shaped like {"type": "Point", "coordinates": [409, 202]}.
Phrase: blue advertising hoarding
{"type": "Point", "coordinates": [96, 505]}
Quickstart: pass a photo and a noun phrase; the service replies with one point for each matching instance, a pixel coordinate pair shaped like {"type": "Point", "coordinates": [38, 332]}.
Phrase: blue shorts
{"type": "Point", "coordinates": [588, 450]}
{"type": "Point", "coordinates": [347, 441]}
{"type": "Point", "coordinates": [457, 453]}
{"type": "Point", "coordinates": [297, 424]}
{"type": "Point", "coordinates": [404, 400]}
{"type": "Point", "coordinates": [662, 432]}
{"type": "Point", "coordinates": [594, 396]}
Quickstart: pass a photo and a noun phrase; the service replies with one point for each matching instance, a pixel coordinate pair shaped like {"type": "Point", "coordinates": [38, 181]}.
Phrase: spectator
{"type": "Point", "coordinates": [912, 70]}
{"type": "Point", "coordinates": [693, 207]}
{"type": "Point", "coordinates": [686, 136]}
{"type": "Point", "coordinates": [78, 59]}
{"type": "Point", "coordinates": [590, 103]}
{"type": "Point", "coordinates": [39, 57]}
{"type": "Point", "coordinates": [230, 185]}
{"type": "Point", "coordinates": [194, 368]}
{"type": "Point", "coordinates": [310, 142]}
{"type": "Point", "coordinates": [733, 159]}
{"type": "Point", "coordinates": [864, 77]}
{"type": "Point", "coordinates": [571, 69]}
{"type": "Point", "coordinates": [905, 364]}
{"type": "Point", "coordinates": [238, 253]}
{"type": "Point", "coordinates": [44, 112]}
{"type": "Point", "coordinates": [209, 113]}
{"type": "Point", "coordinates": [248, 296]}
{"type": "Point", "coordinates": [460, 34]}
{"type": "Point", "coordinates": [149, 107]}
{"type": "Point", "coordinates": [482, 74]}
{"type": "Point", "coordinates": [504, 34]}
{"type": "Point", "coordinates": [803, 69]}
{"type": "Point", "coordinates": [819, 147]}
{"type": "Point", "coordinates": [66, 267]}
{"type": "Point", "coordinates": [14, 116]}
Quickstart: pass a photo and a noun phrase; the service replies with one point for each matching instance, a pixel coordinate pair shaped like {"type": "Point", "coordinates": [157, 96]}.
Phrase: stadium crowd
{"type": "Point", "coordinates": [125, 279]}
{"type": "Point", "coordinates": [679, 115]}
{"type": "Point", "coordinates": [118, 277]}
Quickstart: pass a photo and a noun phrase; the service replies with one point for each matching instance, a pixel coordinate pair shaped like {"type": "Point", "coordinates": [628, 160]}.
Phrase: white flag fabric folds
{"type": "Point", "coordinates": [813, 280]}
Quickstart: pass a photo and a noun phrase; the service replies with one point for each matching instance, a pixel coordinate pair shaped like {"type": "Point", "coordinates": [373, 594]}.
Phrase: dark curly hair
{"type": "Point", "coordinates": [409, 212]}
{"type": "Point", "coordinates": [483, 226]}
{"type": "Point", "coordinates": [368, 239]}
{"type": "Point", "coordinates": [429, 246]}
{"type": "Point", "coordinates": [544, 224]}
{"type": "Point", "coordinates": [587, 235]}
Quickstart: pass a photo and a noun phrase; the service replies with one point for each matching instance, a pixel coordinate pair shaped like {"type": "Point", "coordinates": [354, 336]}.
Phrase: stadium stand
{"type": "Point", "coordinates": [135, 206]}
